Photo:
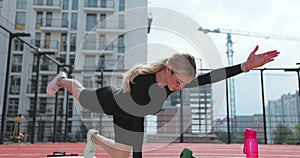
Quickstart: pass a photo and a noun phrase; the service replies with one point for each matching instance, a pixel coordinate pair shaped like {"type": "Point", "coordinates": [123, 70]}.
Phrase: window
{"type": "Point", "coordinates": [15, 82]}
{"type": "Point", "coordinates": [63, 42]}
{"type": "Point", "coordinates": [74, 21]}
{"type": "Point", "coordinates": [87, 82]}
{"type": "Point", "coordinates": [89, 42]}
{"type": "Point", "coordinates": [18, 45]}
{"type": "Point", "coordinates": [65, 4]}
{"type": "Point", "coordinates": [121, 21]}
{"type": "Point", "coordinates": [121, 5]}
{"type": "Point", "coordinates": [121, 45]}
{"type": "Point", "coordinates": [91, 3]}
{"type": "Point", "coordinates": [73, 37]}
{"type": "Point", "coordinates": [13, 106]}
{"type": "Point", "coordinates": [101, 63]}
{"type": "Point", "coordinates": [72, 59]}
{"type": "Point", "coordinates": [1, 3]}
{"type": "Point", "coordinates": [47, 43]}
{"type": "Point", "coordinates": [91, 21]}
{"type": "Point", "coordinates": [75, 5]}
{"type": "Point", "coordinates": [43, 105]}
{"type": "Point", "coordinates": [103, 3]}
{"type": "Point", "coordinates": [44, 65]}
{"type": "Point", "coordinates": [16, 63]}
{"type": "Point", "coordinates": [102, 41]}
{"type": "Point", "coordinates": [102, 20]}
{"type": "Point", "coordinates": [38, 39]}
{"type": "Point", "coordinates": [70, 111]}
{"type": "Point", "coordinates": [121, 62]}
{"type": "Point", "coordinates": [40, 2]}
{"type": "Point", "coordinates": [32, 86]}
{"type": "Point", "coordinates": [48, 19]}
{"type": "Point", "coordinates": [39, 19]}
{"type": "Point", "coordinates": [41, 130]}
{"type": "Point", "coordinates": [110, 46]}
{"type": "Point", "coordinates": [64, 22]}
{"type": "Point", "coordinates": [62, 58]}
{"type": "Point", "coordinates": [20, 20]}
{"type": "Point", "coordinates": [21, 4]}
{"type": "Point", "coordinates": [89, 62]}
{"type": "Point", "coordinates": [119, 81]}
{"type": "Point", "coordinates": [50, 2]}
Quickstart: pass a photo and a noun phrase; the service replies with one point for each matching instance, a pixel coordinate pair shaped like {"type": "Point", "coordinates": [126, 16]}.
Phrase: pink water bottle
{"type": "Point", "coordinates": [250, 143]}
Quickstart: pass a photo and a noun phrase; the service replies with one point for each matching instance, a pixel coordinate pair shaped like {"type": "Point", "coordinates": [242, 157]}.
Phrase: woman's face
{"type": "Point", "coordinates": [177, 81]}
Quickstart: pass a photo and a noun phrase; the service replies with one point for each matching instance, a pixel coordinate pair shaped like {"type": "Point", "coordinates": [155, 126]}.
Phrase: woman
{"type": "Point", "coordinates": [144, 90]}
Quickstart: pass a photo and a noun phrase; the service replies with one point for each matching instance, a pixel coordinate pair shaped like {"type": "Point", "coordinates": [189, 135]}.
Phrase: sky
{"type": "Point", "coordinates": [279, 17]}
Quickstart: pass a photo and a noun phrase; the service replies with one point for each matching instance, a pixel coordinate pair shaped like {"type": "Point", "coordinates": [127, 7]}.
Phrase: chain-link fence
{"type": "Point", "coordinates": [267, 100]}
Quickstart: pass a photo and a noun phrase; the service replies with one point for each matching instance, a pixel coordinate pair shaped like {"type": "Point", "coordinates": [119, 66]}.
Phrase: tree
{"type": "Point", "coordinates": [297, 133]}
{"type": "Point", "coordinates": [282, 134]}
{"type": "Point", "coordinates": [222, 136]}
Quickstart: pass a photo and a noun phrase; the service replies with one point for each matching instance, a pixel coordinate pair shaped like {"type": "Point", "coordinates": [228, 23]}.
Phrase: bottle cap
{"type": "Point", "coordinates": [249, 133]}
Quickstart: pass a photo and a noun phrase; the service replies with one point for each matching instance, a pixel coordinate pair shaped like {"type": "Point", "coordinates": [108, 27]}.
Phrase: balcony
{"type": "Point", "coordinates": [93, 6]}
{"type": "Point", "coordinates": [112, 26]}
{"type": "Point", "coordinates": [48, 67]}
{"type": "Point", "coordinates": [44, 68]}
{"type": "Point", "coordinates": [47, 5]}
{"type": "Point", "coordinates": [47, 45]}
{"type": "Point", "coordinates": [16, 67]}
{"type": "Point", "coordinates": [31, 86]}
{"type": "Point", "coordinates": [112, 64]}
{"type": "Point", "coordinates": [50, 25]}
{"type": "Point", "coordinates": [96, 46]}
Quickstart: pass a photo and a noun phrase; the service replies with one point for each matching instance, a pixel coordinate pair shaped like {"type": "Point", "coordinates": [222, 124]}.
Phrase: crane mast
{"type": "Point", "coordinates": [229, 53]}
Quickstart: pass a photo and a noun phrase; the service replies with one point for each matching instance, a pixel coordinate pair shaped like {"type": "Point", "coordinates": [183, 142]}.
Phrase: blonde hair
{"type": "Point", "coordinates": [181, 63]}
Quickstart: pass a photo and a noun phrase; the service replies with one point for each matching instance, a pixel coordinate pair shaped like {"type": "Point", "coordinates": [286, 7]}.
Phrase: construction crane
{"type": "Point", "coordinates": [229, 53]}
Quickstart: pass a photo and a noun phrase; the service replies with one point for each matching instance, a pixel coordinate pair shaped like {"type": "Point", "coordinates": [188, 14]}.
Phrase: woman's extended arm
{"type": "Point", "coordinates": [253, 61]}
{"type": "Point", "coordinates": [215, 76]}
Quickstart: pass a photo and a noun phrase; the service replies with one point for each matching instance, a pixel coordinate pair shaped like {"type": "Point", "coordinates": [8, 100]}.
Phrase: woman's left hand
{"type": "Point", "coordinates": [257, 60]}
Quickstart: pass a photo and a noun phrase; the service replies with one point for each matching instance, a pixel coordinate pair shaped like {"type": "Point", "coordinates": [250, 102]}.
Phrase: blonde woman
{"type": "Point", "coordinates": [144, 90]}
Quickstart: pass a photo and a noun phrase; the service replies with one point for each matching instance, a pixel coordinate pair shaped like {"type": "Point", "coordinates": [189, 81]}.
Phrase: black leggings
{"type": "Point", "coordinates": [128, 129]}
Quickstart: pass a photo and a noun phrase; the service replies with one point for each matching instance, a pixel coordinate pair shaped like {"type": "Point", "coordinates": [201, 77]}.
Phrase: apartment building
{"type": "Point", "coordinates": [197, 111]}
{"type": "Point", "coordinates": [94, 40]}
{"type": "Point", "coordinates": [284, 111]}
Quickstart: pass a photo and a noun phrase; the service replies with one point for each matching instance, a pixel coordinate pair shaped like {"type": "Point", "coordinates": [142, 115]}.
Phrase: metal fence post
{"type": "Point", "coordinates": [263, 104]}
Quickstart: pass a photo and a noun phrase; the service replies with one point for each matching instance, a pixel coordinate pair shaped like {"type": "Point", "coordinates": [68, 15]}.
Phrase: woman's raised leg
{"type": "Point", "coordinates": [114, 149]}
{"type": "Point", "coordinates": [61, 80]}
{"type": "Point", "coordinates": [72, 85]}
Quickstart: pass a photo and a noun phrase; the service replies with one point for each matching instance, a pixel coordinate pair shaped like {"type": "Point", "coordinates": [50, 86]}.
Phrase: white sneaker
{"type": "Point", "coordinates": [90, 147]}
{"type": "Point", "coordinates": [52, 87]}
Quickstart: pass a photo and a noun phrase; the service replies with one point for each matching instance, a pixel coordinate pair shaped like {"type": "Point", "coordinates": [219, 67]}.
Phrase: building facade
{"type": "Point", "coordinates": [284, 111]}
{"type": "Point", "coordinates": [94, 40]}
